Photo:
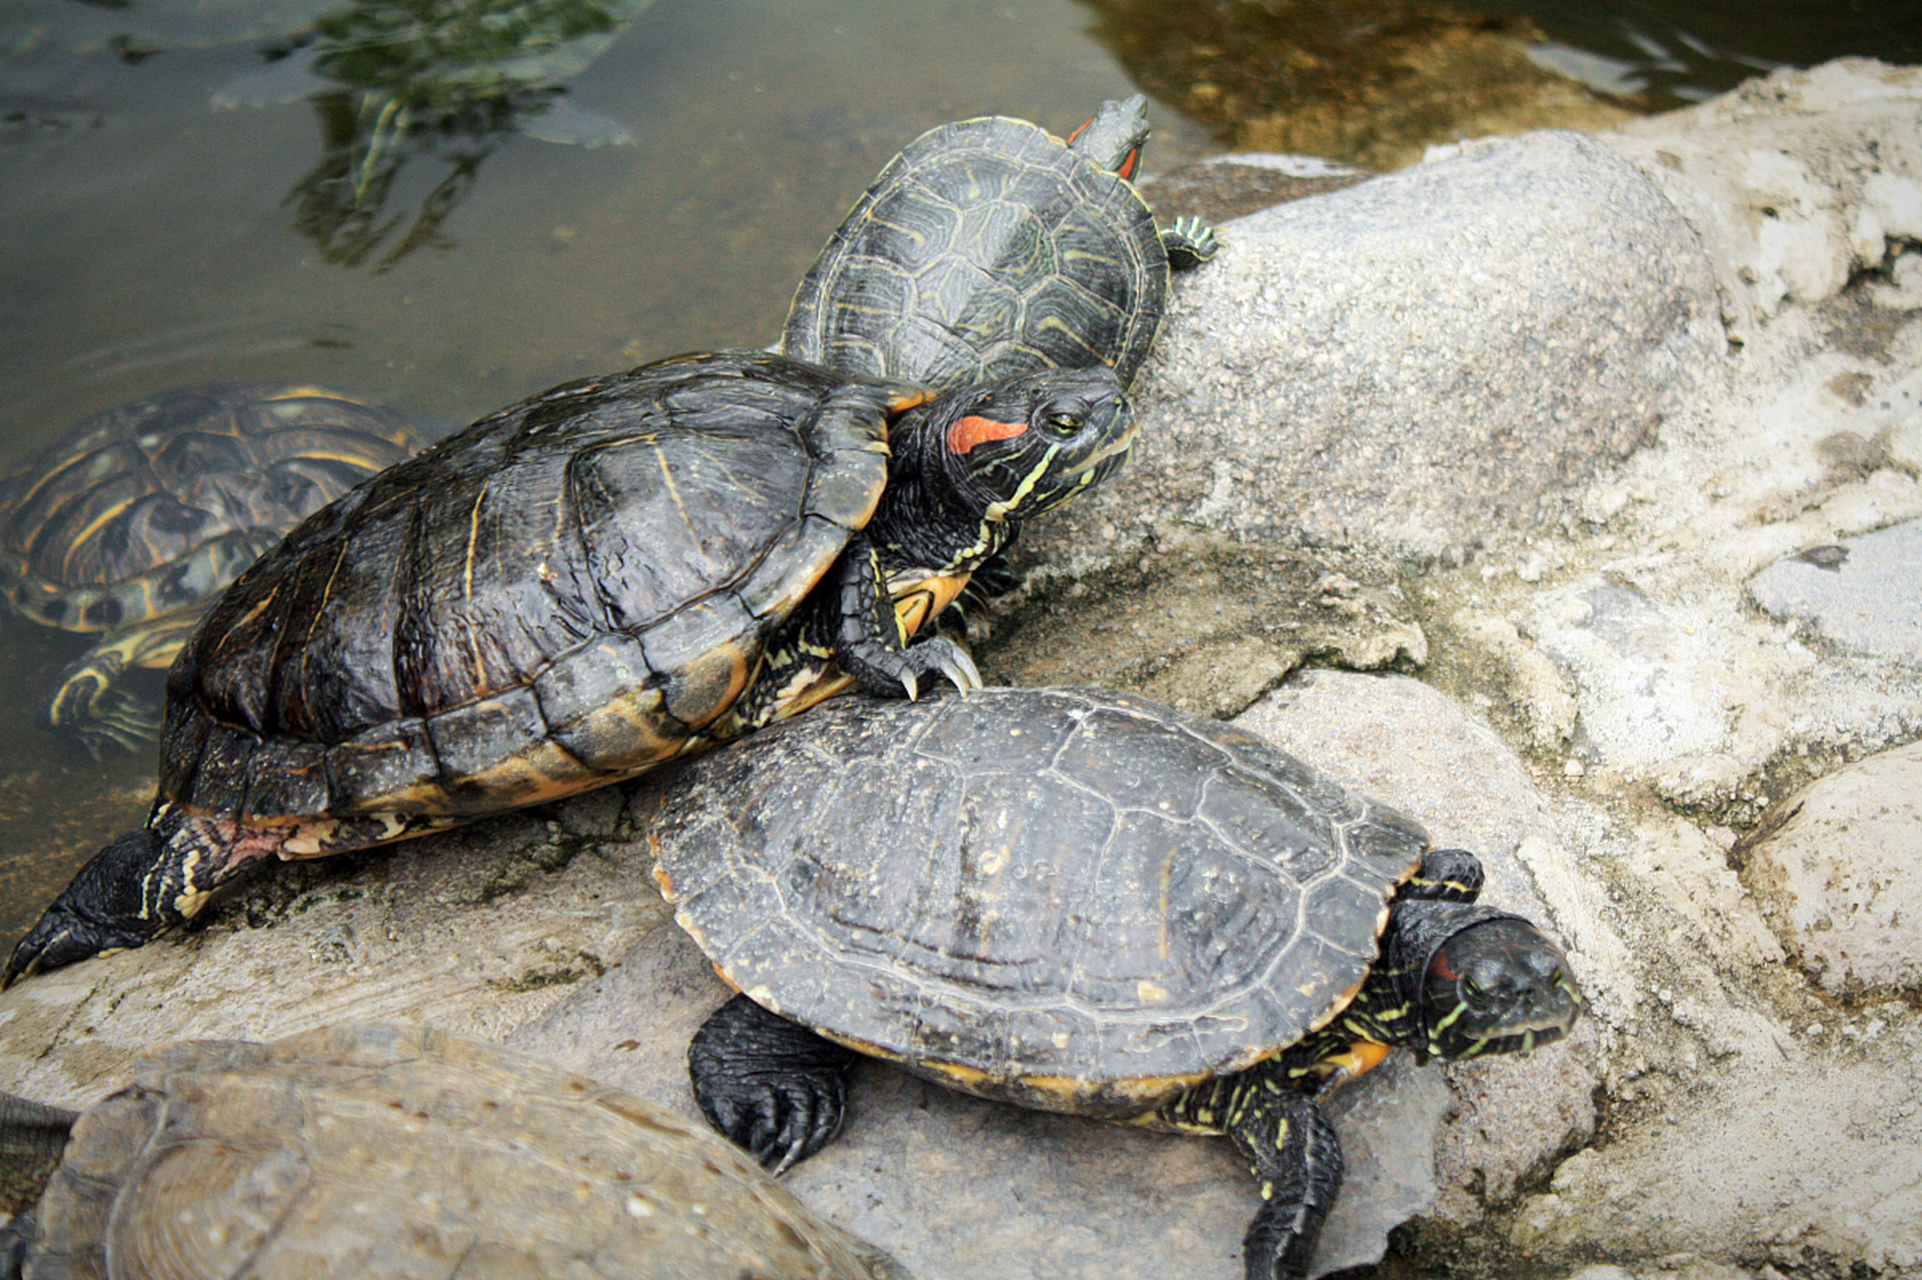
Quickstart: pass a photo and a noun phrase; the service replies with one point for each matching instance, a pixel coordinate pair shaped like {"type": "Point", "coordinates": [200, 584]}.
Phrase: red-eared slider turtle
{"type": "Point", "coordinates": [568, 593]}
{"type": "Point", "coordinates": [131, 522]}
{"type": "Point", "coordinates": [386, 1151]}
{"type": "Point", "coordinates": [1085, 902]}
{"type": "Point", "coordinates": [989, 248]}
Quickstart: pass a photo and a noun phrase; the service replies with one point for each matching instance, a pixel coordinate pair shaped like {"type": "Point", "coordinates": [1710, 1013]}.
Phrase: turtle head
{"type": "Point", "coordinates": [1495, 986]}
{"type": "Point", "coordinates": [971, 465]}
{"type": "Point", "coordinates": [1114, 136]}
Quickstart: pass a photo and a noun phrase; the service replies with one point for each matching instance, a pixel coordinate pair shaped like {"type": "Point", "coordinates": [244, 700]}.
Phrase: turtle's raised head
{"type": "Point", "coordinates": [1015, 449]}
{"type": "Point", "coordinates": [1497, 986]}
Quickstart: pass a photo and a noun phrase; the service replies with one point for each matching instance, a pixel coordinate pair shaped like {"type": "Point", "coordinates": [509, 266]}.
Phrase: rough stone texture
{"type": "Point", "coordinates": [472, 931]}
{"type": "Point", "coordinates": [1370, 365]}
{"type": "Point", "coordinates": [1862, 593]}
{"type": "Point", "coordinates": [1657, 682]}
{"type": "Point", "coordinates": [1725, 1177]}
{"type": "Point", "coordinates": [1793, 181]}
{"type": "Point", "coordinates": [1839, 869]}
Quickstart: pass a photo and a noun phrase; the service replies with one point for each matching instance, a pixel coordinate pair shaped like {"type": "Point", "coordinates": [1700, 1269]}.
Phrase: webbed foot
{"type": "Point", "coordinates": [102, 909]}
{"type": "Point", "coordinates": [1189, 243]}
{"type": "Point", "coordinates": [768, 1084]}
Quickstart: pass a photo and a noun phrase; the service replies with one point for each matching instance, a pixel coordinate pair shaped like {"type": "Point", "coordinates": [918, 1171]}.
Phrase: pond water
{"type": "Point", "coordinates": [189, 191]}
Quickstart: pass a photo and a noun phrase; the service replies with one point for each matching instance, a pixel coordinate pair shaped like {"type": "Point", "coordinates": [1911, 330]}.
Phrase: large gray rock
{"type": "Point", "coordinates": [1418, 360]}
{"type": "Point", "coordinates": [1795, 181]}
{"type": "Point", "coordinates": [473, 931]}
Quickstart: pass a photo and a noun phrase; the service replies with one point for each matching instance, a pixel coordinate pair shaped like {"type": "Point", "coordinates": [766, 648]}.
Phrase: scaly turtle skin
{"type": "Point", "coordinates": [386, 1151]}
{"type": "Point", "coordinates": [131, 522]}
{"type": "Point", "coordinates": [570, 592]}
{"type": "Point", "coordinates": [989, 249]}
{"type": "Point", "coordinates": [1080, 901]}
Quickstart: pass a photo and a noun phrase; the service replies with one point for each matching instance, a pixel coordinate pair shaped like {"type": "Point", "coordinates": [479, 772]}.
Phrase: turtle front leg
{"type": "Point", "coordinates": [868, 643]}
{"type": "Point", "coordinates": [768, 1084]}
{"type": "Point", "coordinates": [1295, 1155]}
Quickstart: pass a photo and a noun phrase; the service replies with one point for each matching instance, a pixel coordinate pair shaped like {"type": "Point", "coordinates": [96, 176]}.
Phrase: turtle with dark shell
{"type": "Point", "coordinates": [989, 248]}
{"type": "Point", "coordinates": [570, 592]}
{"type": "Point", "coordinates": [391, 1151]}
{"type": "Point", "coordinates": [129, 524]}
{"type": "Point", "coordinates": [1085, 902]}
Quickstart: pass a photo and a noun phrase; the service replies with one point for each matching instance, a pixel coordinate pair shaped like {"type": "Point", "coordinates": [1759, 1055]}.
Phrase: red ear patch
{"type": "Point", "coordinates": [1127, 167]}
{"type": "Point", "coordinates": [971, 431]}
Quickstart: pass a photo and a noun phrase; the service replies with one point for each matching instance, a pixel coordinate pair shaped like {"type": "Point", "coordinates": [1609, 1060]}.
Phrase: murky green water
{"type": "Point", "coordinates": [153, 239]}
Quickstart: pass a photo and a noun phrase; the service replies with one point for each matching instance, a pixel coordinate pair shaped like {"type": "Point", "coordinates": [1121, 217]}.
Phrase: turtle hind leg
{"type": "Point", "coordinates": [103, 908]}
{"type": "Point", "coordinates": [1189, 243]}
{"type": "Point", "coordinates": [1293, 1151]}
{"type": "Point", "coordinates": [142, 883]}
{"type": "Point", "coordinates": [770, 1085]}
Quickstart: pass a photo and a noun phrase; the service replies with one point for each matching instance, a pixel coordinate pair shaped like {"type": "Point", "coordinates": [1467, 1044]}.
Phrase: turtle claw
{"type": "Point", "coordinates": [781, 1122]}
{"type": "Point", "coordinates": [939, 654]}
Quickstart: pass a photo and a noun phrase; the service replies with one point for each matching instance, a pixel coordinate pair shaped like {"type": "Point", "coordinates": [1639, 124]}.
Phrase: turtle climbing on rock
{"type": "Point", "coordinates": [570, 592]}
{"type": "Point", "coordinates": [1081, 901]}
{"type": "Point", "coordinates": [989, 248]}
{"type": "Point", "coordinates": [391, 1151]}
{"type": "Point", "coordinates": [130, 524]}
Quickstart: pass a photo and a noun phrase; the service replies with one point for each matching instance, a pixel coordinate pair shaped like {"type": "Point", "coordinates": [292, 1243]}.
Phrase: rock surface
{"type": "Point", "coordinates": [1838, 869]}
{"type": "Point", "coordinates": [1856, 592]}
{"type": "Point", "coordinates": [1416, 360]}
{"type": "Point", "coordinates": [1551, 432]}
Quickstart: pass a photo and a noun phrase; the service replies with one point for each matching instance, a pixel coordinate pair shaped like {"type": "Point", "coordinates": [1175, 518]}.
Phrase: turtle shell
{"type": "Point", "coordinates": [1072, 899]}
{"type": "Point", "coordinates": [986, 249]}
{"type": "Point", "coordinates": [373, 1151]}
{"type": "Point", "coordinates": [560, 595]}
{"type": "Point", "coordinates": [152, 507]}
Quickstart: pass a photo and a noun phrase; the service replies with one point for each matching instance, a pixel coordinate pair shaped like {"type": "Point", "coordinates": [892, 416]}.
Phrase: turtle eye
{"type": "Point", "coordinates": [1063, 424]}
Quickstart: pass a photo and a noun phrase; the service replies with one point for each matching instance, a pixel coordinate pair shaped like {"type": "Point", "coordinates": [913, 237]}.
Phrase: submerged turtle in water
{"type": "Point", "coordinates": [387, 1151]}
{"type": "Point", "coordinates": [129, 524]}
{"type": "Point", "coordinates": [571, 591]}
{"type": "Point", "coordinates": [1084, 902]}
{"type": "Point", "coordinates": [989, 248]}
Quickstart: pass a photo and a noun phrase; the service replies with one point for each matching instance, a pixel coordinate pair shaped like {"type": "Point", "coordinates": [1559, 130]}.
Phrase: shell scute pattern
{"type": "Point", "coordinates": [1039, 922]}
{"type": "Point", "coordinates": [668, 535]}
{"type": "Point", "coordinates": [386, 1150]}
{"type": "Point", "coordinates": [986, 247]}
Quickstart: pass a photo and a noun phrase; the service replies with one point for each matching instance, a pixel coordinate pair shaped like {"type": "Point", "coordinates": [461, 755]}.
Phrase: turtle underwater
{"type": "Point", "coordinates": [131, 522]}
{"type": "Point", "coordinates": [568, 593]}
{"type": "Point", "coordinates": [1080, 901]}
{"type": "Point", "coordinates": [391, 1151]}
{"type": "Point", "coordinates": [988, 248]}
